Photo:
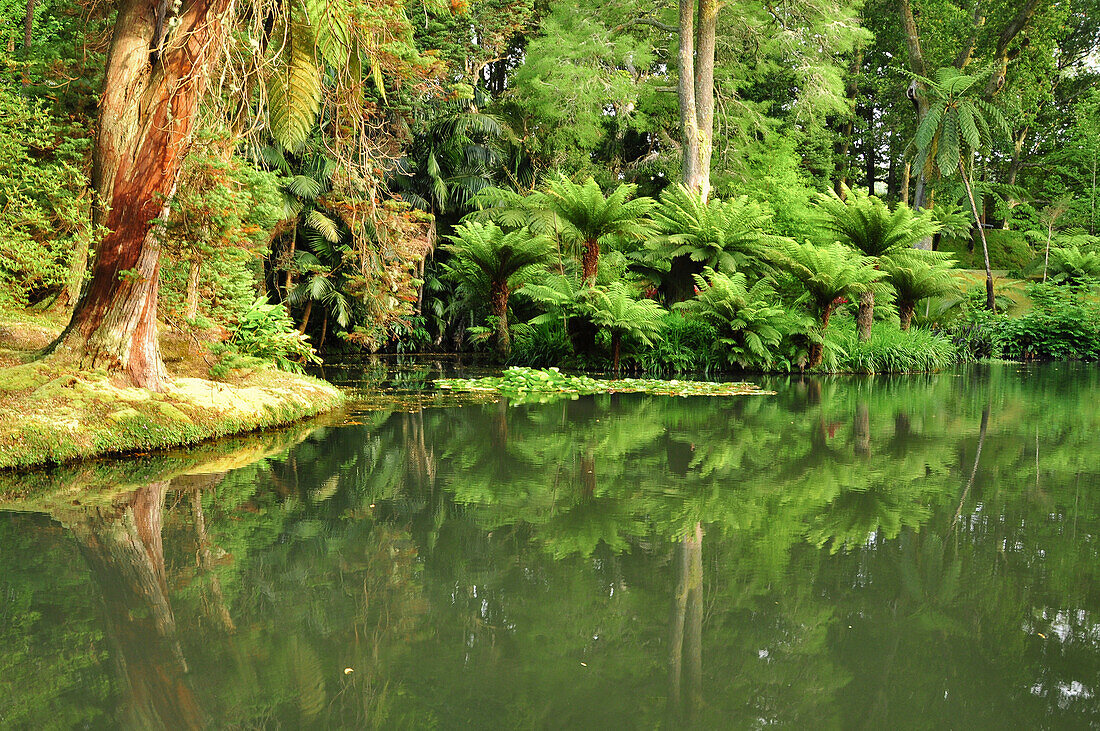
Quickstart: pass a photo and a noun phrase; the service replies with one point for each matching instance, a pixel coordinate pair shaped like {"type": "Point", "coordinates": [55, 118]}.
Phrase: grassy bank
{"type": "Point", "coordinates": [51, 412]}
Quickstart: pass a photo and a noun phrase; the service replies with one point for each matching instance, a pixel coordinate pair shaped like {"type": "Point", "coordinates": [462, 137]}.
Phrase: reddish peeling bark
{"type": "Point", "coordinates": [147, 112]}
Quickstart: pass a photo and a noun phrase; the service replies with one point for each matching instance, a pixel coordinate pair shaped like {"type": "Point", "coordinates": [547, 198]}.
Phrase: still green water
{"type": "Point", "coordinates": [857, 553]}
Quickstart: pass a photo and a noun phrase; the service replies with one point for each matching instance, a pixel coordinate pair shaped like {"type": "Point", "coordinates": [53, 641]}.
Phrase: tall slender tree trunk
{"type": "Point", "coordinates": [696, 90]}
{"type": "Point", "coordinates": [870, 158]}
{"type": "Point", "coordinates": [905, 182]}
{"type": "Point", "coordinates": [191, 310]}
{"type": "Point", "coordinates": [990, 302]}
{"type": "Point", "coordinates": [147, 113]}
{"type": "Point", "coordinates": [616, 349]}
{"type": "Point", "coordinates": [28, 35]}
{"type": "Point", "coordinates": [865, 315]}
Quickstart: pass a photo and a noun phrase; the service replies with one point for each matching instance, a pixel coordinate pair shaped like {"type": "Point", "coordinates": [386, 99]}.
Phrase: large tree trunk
{"type": "Point", "coordinates": [498, 305]}
{"type": "Point", "coordinates": [590, 261]}
{"type": "Point", "coordinates": [147, 112]}
{"type": "Point", "coordinates": [905, 312]}
{"type": "Point", "coordinates": [696, 91]}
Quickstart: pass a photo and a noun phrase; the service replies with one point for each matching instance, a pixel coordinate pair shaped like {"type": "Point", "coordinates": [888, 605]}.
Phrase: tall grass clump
{"type": "Point", "coordinates": [891, 350]}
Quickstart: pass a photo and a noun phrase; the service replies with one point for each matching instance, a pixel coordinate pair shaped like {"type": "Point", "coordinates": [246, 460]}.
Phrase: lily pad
{"type": "Point", "coordinates": [528, 382]}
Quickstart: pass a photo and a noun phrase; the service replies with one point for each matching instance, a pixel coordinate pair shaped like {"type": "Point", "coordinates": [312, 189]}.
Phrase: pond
{"type": "Point", "coordinates": [850, 552]}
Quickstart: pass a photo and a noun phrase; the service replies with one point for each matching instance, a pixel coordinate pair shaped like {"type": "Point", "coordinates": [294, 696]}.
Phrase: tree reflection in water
{"type": "Point", "coordinates": [877, 551]}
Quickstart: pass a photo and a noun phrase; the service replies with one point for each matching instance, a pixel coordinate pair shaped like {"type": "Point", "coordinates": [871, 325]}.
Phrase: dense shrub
{"type": "Point", "coordinates": [264, 335]}
{"type": "Point", "coordinates": [540, 346]}
{"type": "Point", "coordinates": [1063, 325]}
{"type": "Point", "coordinates": [44, 204]}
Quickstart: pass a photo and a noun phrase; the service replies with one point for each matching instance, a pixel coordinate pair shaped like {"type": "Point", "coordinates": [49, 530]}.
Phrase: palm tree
{"type": "Point", "coordinates": [585, 217]}
{"type": "Point", "coordinates": [620, 313]}
{"type": "Point", "coordinates": [749, 320]}
{"type": "Point", "coordinates": [865, 223]}
{"type": "Point", "coordinates": [458, 154]}
{"type": "Point", "coordinates": [726, 236]}
{"type": "Point", "coordinates": [489, 263]}
{"type": "Point", "coordinates": [958, 120]}
{"type": "Point", "coordinates": [916, 274]}
{"type": "Point", "coordinates": [828, 274]}
{"type": "Point", "coordinates": [321, 282]}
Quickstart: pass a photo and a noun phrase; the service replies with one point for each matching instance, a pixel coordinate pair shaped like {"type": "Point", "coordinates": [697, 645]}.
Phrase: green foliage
{"type": "Point", "coordinates": [748, 321]}
{"type": "Point", "coordinates": [44, 202]}
{"type": "Point", "coordinates": [540, 345]}
{"type": "Point", "coordinates": [958, 120]}
{"type": "Point", "coordinates": [866, 223]}
{"type": "Point", "coordinates": [916, 274]}
{"type": "Point", "coordinates": [1064, 324]}
{"type": "Point", "coordinates": [617, 310]}
{"type": "Point", "coordinates": [1074, 265]}
{"type": "Point", "coordinates": [1008, 250]}
{"type": "Point", "coordinates": [686, 346]}
{"type": "Point", "coordinates": [220, 221]}
{"type": "Point", "coordinates": [724, 235]}
{"type": "Point", "coordinates": [953, 220]}
{"type": "Point", "coordinates": [484, 256]}
{"type": "Point", "coordinates": [583, 214]}
{"type": "Point", "coordinates": [892, 351]}
{"type": "Point", "coordinates": [827, 274]}
{"type": "Point", "coordinates": [264, 334]}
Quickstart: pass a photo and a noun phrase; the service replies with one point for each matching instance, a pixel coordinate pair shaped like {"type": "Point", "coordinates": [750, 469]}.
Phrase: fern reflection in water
{"type": "Point", "coordinates": [614, 560]}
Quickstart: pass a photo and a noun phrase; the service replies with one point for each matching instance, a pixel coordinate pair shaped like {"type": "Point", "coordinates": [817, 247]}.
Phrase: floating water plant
{"type": "Point", "coordinates": [522, 382]}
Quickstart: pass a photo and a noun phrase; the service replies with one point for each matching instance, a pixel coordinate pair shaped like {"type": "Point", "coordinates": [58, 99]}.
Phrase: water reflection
{"type": "Point", "coordinates": [848, 553]}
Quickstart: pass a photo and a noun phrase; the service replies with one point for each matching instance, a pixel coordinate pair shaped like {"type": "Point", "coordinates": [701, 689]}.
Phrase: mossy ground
{"type": "Point", "coordinates": [50, 412]}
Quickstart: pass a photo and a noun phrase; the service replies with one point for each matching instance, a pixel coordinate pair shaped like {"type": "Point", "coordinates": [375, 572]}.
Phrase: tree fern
{"type": "Point", "coordinates": [488, 263]}
{"type": "Point", "coordinates": [725, 235]}
{"type": "Point", "coordinates": [750, 321]}
{"type": "Point", "coordinates": [866, 223]}
{"type": "Point", "coordinates": [617, 310]}
{"type": "Point", "coordinates": [828, 274]}
{"type": "Point", "coordinates": [915, 275]}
